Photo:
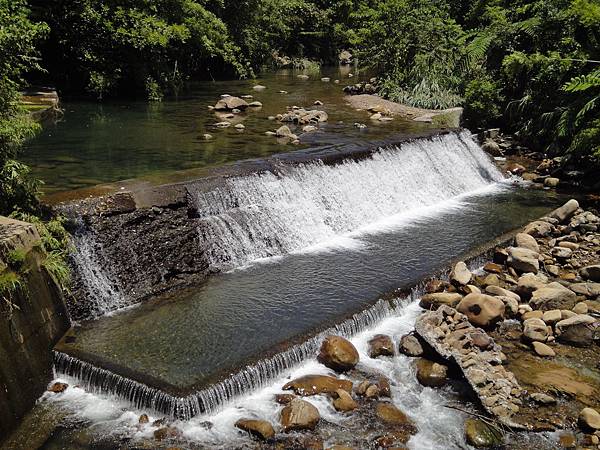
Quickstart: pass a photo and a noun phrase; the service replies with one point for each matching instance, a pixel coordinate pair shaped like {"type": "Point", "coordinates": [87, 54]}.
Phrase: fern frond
{"type": "Point", "coordinates": [583, 82]}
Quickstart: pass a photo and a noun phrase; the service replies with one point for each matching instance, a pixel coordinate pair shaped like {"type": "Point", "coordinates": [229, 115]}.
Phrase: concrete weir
{"type": "Point", "coordinates": [298, 245]}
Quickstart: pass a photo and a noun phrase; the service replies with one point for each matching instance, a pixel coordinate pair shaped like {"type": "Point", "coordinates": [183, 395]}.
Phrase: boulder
{"type": "Point", "coordinates": [381, 345]}
{"type": "Point", "coordinates": [284, 131]}
{"type": "Point", "coordinates": [229, 103]}
{"type": "Point", "coordinates": [527, 284]}
{"type": "Point", "coordinates": [515, 169]}
{"type": "Point", "coordinates": [345, 57]}
{"type": "Point", "coordinates": [552, 316]}
{"type": "Point", "coordinates": [481, 435]}
{"type": "Point", "coordinates": [255, 104]}
{"type": "Point", "coordinates": [258, 428]}
{"type": "Point", "coordinates": [259, 87]}
{"type": "Point", "coordinates": [410, 346]}
{"type": "Point", "coordinates": [566, 211]}
{"type": "Point", "coordinates": [591, 273]}
{"type": "Point", "coordinates": [588, 289]}
{"type": "Point", "coordinates": [525, 240]}
{"type": "Point", "coordinates": [343, 401]}
{"type": "Point", "coordinates": [576, 331]}
{"type": "Point", "coordinates": [482, 310]}
{"type": "Point", "coordinates": [385, 389]}
{"type": "Point", "coordinates": [433, 301]}
{"type": "Point", "coordinates": [497, 290]}
{"type": "Point", "coordinates": [372, 391]}
{"type": "Point", "coordinates": [542, 349]}
{"type": "Point", "coordinates": [581, 308]}
{"type": "Point", "coordinates": [539, 228]}
{"type": "Point", "coordinates": [551, 182]}
{"type": "Point", "coordinates": [489, 146]}
{"type": "Point", "coordinates": [523, 259]}
{"type": "Point", "coordinates": [431, 374]}
{"type": "Point", "coordinates": [338, 354]}
{"type": "Point", "coordinates": [589, 419]}
{"type": "Point", "coordinates": [299, 415]}
{"type": "Point", "coordinates": [284, 399]}
{"type": "Point", "coordinates": [58, 387]}
{"type": "Point", "coordinates": [561, 252]}
{"type": "Point", "coordinates": [493, 268]}
{"type": "Point", "coordinates": [460, 274]}
{"type": "Point", "coordinates": [535, 330]}
{"type": "Point", "coordinates": [553, 296]}
{"type": "Point", "coordinates": [391, 415]}
{"type": "Point", "coordinates": [317, 384]}
{"type": "Point", "coordinates": [491, 280]}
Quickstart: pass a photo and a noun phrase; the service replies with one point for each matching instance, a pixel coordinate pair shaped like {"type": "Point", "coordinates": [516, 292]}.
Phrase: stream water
{"type": "Point", "coordinates": [105, 142]}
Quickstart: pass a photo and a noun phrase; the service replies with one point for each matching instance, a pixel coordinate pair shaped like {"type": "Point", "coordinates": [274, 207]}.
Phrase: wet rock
{"type": "Point", "coordinates": [535, 330]}
{"type": "Point", "coordinates": [381, 345]}
{"type": "Point", "coordinates": [259, 87]}
{"type": "Point", "coordinates": [433, 301]}
{"type": "Point", "coordinates": [493, 268]}
{"type": "Point", "coordinates": [284, 399]}
{"type": "Point", "coordinates": [551, 182]}
{"type": "Point", "coordinates": [58, 388]}
{"type": "Point", "coordinates": [299, 415]}
{"type": "Point", "coordinates": [372, 391]}
{"type": "Point", "coordinates": [435, 285]}
{"type": "Point", "coordinates": [385, 390]}
{"type": "Point", "coordinates": [523, 259]}
{"type": "Point", "coordinates": [361, 389]}
{"type": "Point", "coordinates": [482, 310]}
{"type": "Point", "coordinates": [240, 126]}
{"type": "Point", "coordinates": [591, 273]}
{"type": "Point", "coordinates": [317, 384]}
{"type": "Point", "coordinates": [410, 346]}
{"type": "Point", "coordinates": [525, 240]}
{"type": "Point", "coordinates": [338, 354]}
{"type": "Point", "coordinates": [589, 419]}
{"type": "Point", "coordinates": [166, 433]}
{"type": "Point", "coordinates": [230, 103]}
{"type": "Point", "coordinates": [284, 131]}
{"type": "Point", "coordinates": [143, 419]}
{"type": "Point", "coordinates": [260, 429]}
{"type": "Point", "coordinates": [343, 401]}
{"type": "Point", "coordinates": [431, 374]}
{"type": "Point", "coordinates": [255, 104]}
{"type": "Point", "coordinates": [542, 349]}
{"type": "Point", "coordinates": [553, 296]}
{"type": "Point", "coordinates": [309, 128]}
{"type": "Point", "coordinates": [491, 280]}
{"type": "Point", "coordinates": [392, 415]}
{"type": "Point", "coordinates": [207, 137]}
{"type": "Point", "coordinates": [460, 274]}
{"type": "Point", "coordinates": [491, 147]}
{"type": "Point", "coordinates": [223, 124]}
{"type": "Point", "coordinates": [481, 435]}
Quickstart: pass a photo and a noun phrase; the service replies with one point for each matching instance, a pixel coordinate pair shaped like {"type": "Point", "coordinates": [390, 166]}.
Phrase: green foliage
{"type": "Point", "coordinates": [56, 266]}
{"type": "Point", "coordinates": [16, 259]}
{"type": "Point", "coordinates": [482, 102]}
{"type": "Point", "coordinates": [10, 286]}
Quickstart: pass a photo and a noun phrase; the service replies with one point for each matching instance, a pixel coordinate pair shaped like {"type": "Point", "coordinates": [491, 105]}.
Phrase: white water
{"type": "Point", "coordinates": [264, 215]}
{"type": "Point", "coordinates": [102, 293]}
{"type": "Point", "coordinates": [438, 426]}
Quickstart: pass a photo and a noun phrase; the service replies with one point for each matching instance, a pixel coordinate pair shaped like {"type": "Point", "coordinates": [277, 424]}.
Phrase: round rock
{"type": "Point", "coordinates": [338, 354]}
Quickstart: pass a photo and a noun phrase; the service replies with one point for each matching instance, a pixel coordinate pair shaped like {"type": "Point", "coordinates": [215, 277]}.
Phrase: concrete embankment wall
{"type": "Point", "coordinates": [33, 317]}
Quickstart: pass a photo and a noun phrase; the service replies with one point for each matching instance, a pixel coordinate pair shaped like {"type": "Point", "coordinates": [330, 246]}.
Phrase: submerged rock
{"type": "Point", "coordinates": [431, 374]}
{"type": "Point", "coordinates": [381, 345]}
{"type": "Point", "coordinates": [481, 435]}
{"type": "Point", "coordinates": [392, 415]}
{"type": "Point", "coordinates": [317, 384]}
{"type": "Point", "coordinates": [299, 415]}
{"type": "Point", "coordinates": [338, 354]}
{"type": "Point", "coordinates": [57, 387]}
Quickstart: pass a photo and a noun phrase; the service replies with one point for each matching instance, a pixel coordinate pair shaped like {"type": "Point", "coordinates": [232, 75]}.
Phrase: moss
{"type": "Point", "coordinates": [16, 259]}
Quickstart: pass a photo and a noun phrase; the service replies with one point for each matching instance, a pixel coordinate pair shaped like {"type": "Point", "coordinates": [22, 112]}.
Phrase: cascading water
{"type": "Point", "coordinates": [102, 294]}
{"type": "Point", "coordinates": [269, 214]}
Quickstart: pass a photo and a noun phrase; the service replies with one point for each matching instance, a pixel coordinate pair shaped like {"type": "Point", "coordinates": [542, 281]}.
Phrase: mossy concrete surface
{"type": "Point", "coordinates": [32, 319]}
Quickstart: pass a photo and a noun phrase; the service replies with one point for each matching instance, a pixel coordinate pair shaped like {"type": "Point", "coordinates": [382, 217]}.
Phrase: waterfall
{"type": "Point", "coordinates": [269, 214]}
{"type": "Point", "coordinates": [102, 293]}
{"type": "Point", "coordinates": [250, 378]}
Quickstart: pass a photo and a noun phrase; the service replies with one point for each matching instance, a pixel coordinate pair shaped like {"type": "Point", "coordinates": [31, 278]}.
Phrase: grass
{"type": "Point", "coordinates": [10, 285]}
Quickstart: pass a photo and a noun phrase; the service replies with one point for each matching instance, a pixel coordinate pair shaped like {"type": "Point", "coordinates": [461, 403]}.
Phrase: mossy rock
{"type": "Point", "coordinates": [481, 435]}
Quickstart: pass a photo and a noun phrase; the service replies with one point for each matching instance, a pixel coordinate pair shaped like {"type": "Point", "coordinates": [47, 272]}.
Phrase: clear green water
{"type": "Point", "coordinates": [106, 142]}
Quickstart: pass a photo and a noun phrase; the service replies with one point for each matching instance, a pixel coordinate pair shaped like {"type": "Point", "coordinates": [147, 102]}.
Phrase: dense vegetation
{"type": "Point", "coordinates": [528, 66]}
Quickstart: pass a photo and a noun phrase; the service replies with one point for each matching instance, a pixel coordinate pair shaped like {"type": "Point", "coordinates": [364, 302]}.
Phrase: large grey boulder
{"type": "Point", "coordinates": [525, 240]}
{"type": "Point", "coordinates": [523, 259]}
{"type": "Point", "coordinates": [553, 296]}
{"type": "Point", "coordinates": [566, 211]}
{"type": "Point", "coordinates": [229, 103]}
